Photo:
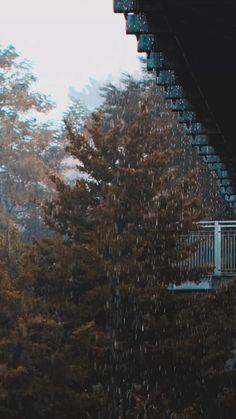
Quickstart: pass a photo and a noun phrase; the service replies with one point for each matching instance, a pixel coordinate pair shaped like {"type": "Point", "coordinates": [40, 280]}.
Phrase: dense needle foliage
{"type": "Point", "coordinates": [89, 327]}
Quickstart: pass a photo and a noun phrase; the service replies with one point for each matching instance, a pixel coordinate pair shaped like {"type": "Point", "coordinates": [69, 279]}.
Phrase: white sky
{"type": "Point", "coordinates": [68, 41]}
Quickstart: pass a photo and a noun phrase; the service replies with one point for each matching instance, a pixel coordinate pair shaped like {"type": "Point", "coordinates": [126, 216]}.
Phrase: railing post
{"type": "Point", "coordinates": [217, 248]}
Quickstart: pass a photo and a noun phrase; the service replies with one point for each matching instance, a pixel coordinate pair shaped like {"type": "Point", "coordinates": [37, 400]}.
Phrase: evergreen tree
{"type": "Point", "coordinates": [122, 102]}
{"type": "Point", "coordinates": [125, 221]}
{"type": "Point", "coordinates": [102, 334]}
{"type": "Point", "coordinates": [76, 115]}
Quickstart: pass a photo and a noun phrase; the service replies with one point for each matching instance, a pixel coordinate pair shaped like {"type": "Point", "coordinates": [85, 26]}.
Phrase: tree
{"type": "Point", "coordinates": [122, 103]}
{"type": "Point", "coordinates": [105, 337]}
{"type": "Point", "coordinates": [76, 115]}
{"type": "Point", "coordinates": [123, 223]}
{"type": "Point", "coordinates": [90, 94]}
{"type": "Point", "coordinates": [23, 141]}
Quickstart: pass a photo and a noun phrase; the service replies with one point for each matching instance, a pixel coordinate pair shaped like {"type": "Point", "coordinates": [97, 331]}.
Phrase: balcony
{"type": "Point", "coordinates": [216, 249]}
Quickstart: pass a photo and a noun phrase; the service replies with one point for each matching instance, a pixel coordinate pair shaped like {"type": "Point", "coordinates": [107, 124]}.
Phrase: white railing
{"type": "Point", "coordinates": [216, 247]}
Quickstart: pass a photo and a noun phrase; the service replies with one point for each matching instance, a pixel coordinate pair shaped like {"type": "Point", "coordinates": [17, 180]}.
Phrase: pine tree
{"type": "Point", "coordinates": [130, 348]}
{"type": "Point", "coordinates": [123, 102]}
{"type": "Point", "coordinates": [126, 220]}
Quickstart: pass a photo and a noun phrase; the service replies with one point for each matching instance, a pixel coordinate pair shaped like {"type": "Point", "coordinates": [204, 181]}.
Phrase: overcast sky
{"type": "Point", "coordinates": [68, 41]}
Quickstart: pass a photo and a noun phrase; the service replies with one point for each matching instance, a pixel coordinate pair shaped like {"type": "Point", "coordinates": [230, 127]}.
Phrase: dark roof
{"type": "Point", "coordinates": [191, 45]}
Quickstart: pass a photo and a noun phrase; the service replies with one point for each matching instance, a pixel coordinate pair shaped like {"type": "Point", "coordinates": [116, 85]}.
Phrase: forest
{"type": "Point", "coordinates": [90, 327]}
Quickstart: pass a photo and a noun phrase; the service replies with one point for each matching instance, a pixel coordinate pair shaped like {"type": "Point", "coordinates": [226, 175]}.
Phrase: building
{"type": "Point", "coordinates": [190, 44]}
